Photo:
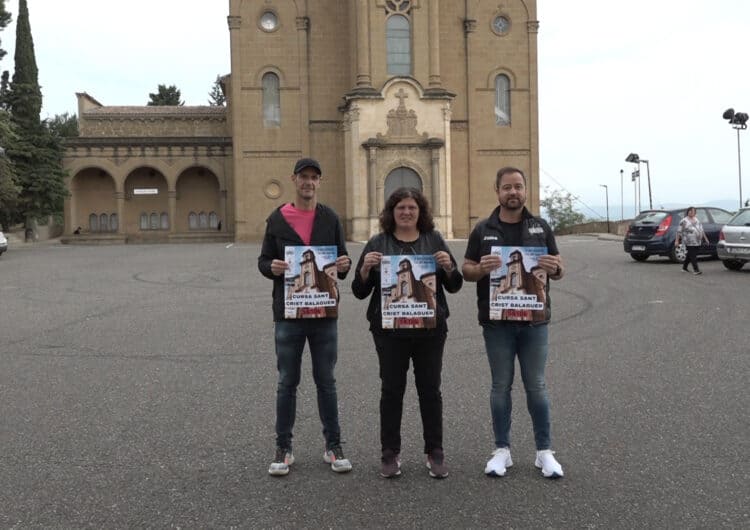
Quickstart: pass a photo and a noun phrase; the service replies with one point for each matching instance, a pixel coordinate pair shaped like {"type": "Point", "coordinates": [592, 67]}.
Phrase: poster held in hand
{"type": "Point", "coordinates": [311, 282]}
{"type": "Point", "coordinates": [518, 286]}
{"type": "Point", "coordinates": [407, 288]}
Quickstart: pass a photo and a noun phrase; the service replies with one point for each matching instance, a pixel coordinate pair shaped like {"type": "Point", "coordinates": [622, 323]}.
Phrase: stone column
{"type": "Point", "coordinates": [303, 27]}
{"type": "Point", "coordinates": [364, 79]}
{"type": "Point", "coordinates": [223, 209]}
{"type": "Point", "coordinates": [120, 200]}
{"type": "Point", "coordinates": [372, 160]}
{"type": "Point", "coordinates": [437, 208]}
{"type": "Point", "coordinates": [533, 199]}
{"type": "Point", "coordinates": [172, 195]}
{"type": "Point", "coordinates": [434, 39]}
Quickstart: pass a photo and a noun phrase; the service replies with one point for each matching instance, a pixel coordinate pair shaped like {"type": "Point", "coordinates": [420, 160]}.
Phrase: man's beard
{"type": "Point", "coordinates": [517, 204]}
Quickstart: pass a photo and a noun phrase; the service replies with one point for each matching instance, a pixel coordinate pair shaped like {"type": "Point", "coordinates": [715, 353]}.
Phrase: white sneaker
{"type": "Point", "coordinates": [281, 462]}
{"type": "Point", "coordinates": [498, 464]}
{"type": "Point", "coordinates": [335, 457]}
{"type": "Point", "coordinates": [550, 467]}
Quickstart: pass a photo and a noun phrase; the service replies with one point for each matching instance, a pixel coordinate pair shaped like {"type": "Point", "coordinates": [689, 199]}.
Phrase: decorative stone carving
{"type": "Point", "coordinates": [402, 122]}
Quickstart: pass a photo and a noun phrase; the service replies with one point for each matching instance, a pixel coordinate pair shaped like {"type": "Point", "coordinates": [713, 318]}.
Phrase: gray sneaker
{"type": "Point", "coordinates": [335, 457]}
{"type": "Point", "coordinates": [390, 464]}
{"type": "Point", "coordinates": [436, 463]}
{"type": "Point", "coordinates": [280, 465]}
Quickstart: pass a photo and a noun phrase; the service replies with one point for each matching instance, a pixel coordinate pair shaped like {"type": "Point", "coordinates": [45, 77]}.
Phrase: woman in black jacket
{"type": "Point", "coordinates": [413, 325]}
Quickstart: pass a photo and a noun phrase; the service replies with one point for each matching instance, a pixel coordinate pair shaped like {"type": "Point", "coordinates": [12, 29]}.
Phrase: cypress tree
{"type": "Point", "coordinates": [37, 153]}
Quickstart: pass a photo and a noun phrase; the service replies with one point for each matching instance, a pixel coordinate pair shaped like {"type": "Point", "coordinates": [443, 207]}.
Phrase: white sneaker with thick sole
{"type": "Point", "coordinates": [335, 457]}
{"type": "Point", "coordinates": [280, 465]}
{"type": "Point", "coordinates": [498, 464]}
{"type": "Point", "coordinates": [546, 461]}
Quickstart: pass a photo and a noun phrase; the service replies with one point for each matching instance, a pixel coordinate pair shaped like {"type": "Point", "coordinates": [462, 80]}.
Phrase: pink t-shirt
{"type": "Point", "coordinates": [300, 220]}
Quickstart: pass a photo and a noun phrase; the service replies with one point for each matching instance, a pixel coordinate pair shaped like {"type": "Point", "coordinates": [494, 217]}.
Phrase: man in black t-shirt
{"type": "Point", "coordinates": [512, 225]}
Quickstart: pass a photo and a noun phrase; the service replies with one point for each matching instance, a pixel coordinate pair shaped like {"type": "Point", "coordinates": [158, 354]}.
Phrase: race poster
{"type": "Point", "coordinates": [407, 288]}
{"type": "Point", "coordinates": [310, 282]}
{"type": "Point", "coordinates": [517, 287]}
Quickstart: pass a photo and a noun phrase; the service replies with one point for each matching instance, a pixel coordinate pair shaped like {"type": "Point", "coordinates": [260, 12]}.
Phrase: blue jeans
{"type": "Point", "coordinates": [505, 341]}
{"type": "Point", "coordinates": [322, 337]}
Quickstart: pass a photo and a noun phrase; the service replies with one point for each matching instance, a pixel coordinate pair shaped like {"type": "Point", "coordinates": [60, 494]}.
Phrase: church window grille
{"type": "Point", "coordinates": [202, 220]}
{"type": "Point", "coordinates": [113, 222]}
{"type": "Point", "coordinates": [104, 223]}
{"type": "Point", "coordinates": [398, 45]}
{"type": "Point", "coordinates": [164, 221]}
{"type": "Point", "coordinates": [154, 221]}
{"type": "Point", "coordinates": [271, 100]}
{"type": "Point", "coordinates": [213, 220]}
{"type": "Point", "coordinates": [502, 100]}
{"type": "Point", "coordinates": [144, 221]}
{"type": "Point", "coordinates": [93, 223]}
{"type": "Point", "coordinates": [193, 221]}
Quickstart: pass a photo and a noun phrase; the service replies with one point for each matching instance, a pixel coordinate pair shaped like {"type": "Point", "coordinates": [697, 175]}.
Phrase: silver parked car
{"type": "Point", "coordinates": [733, 247]}
{"type": "Point", "coordinates": [3, 244]}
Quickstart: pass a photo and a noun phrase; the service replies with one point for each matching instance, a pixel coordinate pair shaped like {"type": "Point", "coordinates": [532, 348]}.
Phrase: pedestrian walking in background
{"type": "Point", "coordinates": [691, 233]}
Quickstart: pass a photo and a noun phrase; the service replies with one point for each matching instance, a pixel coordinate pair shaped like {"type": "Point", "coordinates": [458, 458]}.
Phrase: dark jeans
{"type": "Point", "coordinates": [394, 354]}
{"type": "Point", "coordinates": [691, 257]}
{"type": "Point", "coordinates": [322, 337]}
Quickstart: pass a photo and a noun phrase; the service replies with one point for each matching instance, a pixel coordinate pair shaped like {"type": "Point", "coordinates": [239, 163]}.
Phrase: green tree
{"type": "Point", "coordinates": [165, 96]}
{"type": "Point", "coordinates": [36, 153]}
{"type": "Point", "coordinates": [5, 18]}
{"type": "Point", "coordinates": [63, 125]}
{"type": "Point", "coordinates": [218, 99]}
{"type": "Point", "coordinates": [9, 189]}
{"type": "Point", "coordinates": [559, 208]}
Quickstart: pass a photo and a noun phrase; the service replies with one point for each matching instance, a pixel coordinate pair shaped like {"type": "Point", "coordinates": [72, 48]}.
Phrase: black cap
{"type": "Point", "coordinates": [302, 163]}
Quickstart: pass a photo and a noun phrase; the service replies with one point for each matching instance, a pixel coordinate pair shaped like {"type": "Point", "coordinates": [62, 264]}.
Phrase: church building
{"type": "Point", "coordinates": [433, 94]}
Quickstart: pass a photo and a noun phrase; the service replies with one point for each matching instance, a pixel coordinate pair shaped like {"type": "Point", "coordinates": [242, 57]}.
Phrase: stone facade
{"type": "Point", "coordinates": [312, 78]}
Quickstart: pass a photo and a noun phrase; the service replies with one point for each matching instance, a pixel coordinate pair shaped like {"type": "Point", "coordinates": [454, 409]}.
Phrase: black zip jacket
{"type": "Point", "coordinates": [387, 244]}
{"type": "Point", "coordinates": [327, 230]}
{"type": "Point", "coordinates": [488, 233]}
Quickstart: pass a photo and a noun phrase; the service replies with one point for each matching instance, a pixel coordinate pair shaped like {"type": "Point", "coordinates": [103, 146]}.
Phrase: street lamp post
{"type": "Point", "coordinates": [738, 121]}
{"type": "Point", "coordinates": [606, 194]}
{"type": "Point", "coordinates": [634, 158]}
{"type": "Point", "coordinates": [622, 203]}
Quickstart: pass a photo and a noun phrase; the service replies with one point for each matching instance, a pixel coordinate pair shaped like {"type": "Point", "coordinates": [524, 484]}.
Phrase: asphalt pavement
{"type": "Point", "coordinates": [138, 382]}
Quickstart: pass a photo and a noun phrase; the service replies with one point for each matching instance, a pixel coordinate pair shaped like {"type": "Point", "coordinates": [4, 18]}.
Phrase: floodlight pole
{"type": "Point", "coordinates": [606, 194]}
{"type": "Point", "coordinates": [648, 178]}
{"type": "Point", "coordinates": [622, 204]}
{"type": "Point", "coordinates": [739, 162]}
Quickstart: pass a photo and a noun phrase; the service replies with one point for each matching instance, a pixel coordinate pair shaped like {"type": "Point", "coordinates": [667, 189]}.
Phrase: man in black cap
{"type": "Point", "coordinates": [304, 222]}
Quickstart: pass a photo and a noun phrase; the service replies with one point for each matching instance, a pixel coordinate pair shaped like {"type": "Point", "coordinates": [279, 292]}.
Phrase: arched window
{"type": "Point", "coordinates": [401, 177]}
{"type": "Point", "coordinates": [271, 101]}
{"type": "Point", "coordinates": [193, 221]}
{"type": "Point", "coordinates": [93, 223]}
{"type": "Point", "coordinates": [113, 222]}
{"type": "Point", "coordinates": [213, 220]}
{"type": "Point", "coordinates": [104, 223]}
{"type": "Point", "coordinates": [398, 45]}
{"type": "Point", "coordinates": [154, 221]}
{"type": "Point", "coordinates": [144, 221]}
{"type": "Point", "coordinates": [307, 279]}
{"type": "Point", "coordinates": [203, 220]}
{"type": "Point", "coordinates": [164, 221]}
{"type": "Point", "coordinates": [502, 100]}
{"type": "Point", "coordinates": [514, 279]}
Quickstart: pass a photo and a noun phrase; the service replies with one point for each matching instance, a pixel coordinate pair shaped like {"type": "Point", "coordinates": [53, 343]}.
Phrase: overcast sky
{"type": "Point", "coordinates": [645, 76]}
